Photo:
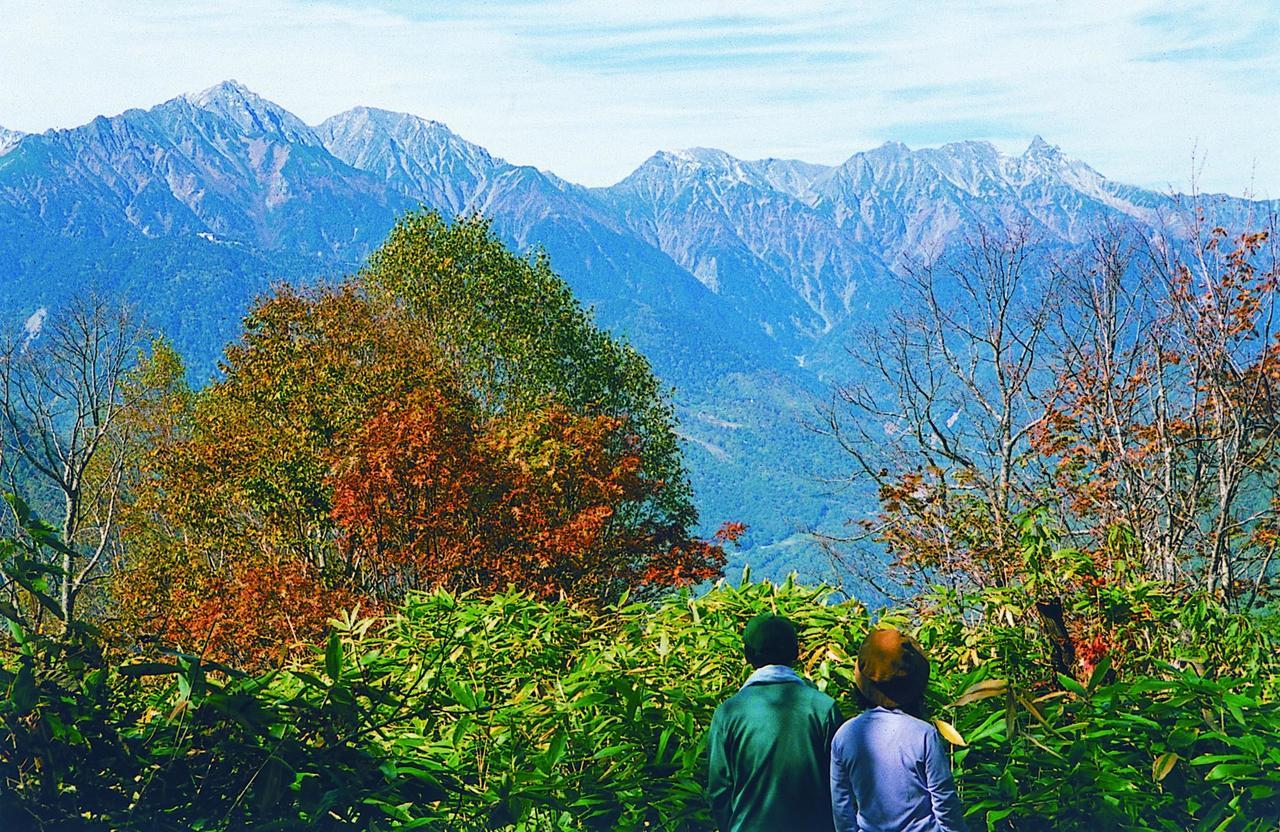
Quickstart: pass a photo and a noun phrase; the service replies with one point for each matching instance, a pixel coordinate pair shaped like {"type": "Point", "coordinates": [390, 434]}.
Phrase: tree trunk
{"type": "Point", "coordinates": [1062, 649]}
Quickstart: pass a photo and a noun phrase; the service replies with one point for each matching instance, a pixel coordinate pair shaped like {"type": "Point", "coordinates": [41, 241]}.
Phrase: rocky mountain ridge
{"type": "Point", "coordinates": [741, 280]}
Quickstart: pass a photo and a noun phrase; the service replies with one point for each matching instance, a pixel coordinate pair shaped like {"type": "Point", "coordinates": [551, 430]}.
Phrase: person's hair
{"type": "Point", "coordinates": [917, 708]}
{"type": "Point", "coordinates": [770, 639]}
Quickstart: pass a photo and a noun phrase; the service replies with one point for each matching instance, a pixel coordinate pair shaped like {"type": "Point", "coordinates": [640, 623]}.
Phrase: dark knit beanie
{"type": "Point", "coordinates": [770, 639]}
{"type": "Point", "coordinates": [892, 670]}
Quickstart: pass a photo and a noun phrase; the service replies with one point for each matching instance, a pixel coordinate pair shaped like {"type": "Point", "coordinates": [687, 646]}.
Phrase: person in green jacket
{"type": "Point", "coordinates": [770, 743]}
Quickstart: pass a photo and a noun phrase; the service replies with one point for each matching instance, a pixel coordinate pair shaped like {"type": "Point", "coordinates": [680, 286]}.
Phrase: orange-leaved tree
{"type": "Point", "coordinates": [426, 497]}
{"type": "Point", "coordinates": [363, 442]}
{"type": "Point", "coordinates": [238, 491]}
{"type": "Point", "coordinates": [415, 500]}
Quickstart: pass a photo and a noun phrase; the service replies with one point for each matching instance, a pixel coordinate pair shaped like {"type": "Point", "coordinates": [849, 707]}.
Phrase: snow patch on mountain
{"type": "Point", "coordinates": [710, 447]}
{"type": "Point", "coordinates": [33, 325]}
{"type": "Point", "coordinates": [421, 158]}
{"type": "Point", "coordinates": [9, 140]}
{"type": "Point", "coordinates": [252, 113]}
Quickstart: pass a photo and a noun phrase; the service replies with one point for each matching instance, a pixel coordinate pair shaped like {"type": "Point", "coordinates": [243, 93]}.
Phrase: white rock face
{"type": "Point", "coordinates": [418, 157]}
{"type": "Point", "coordinates": [799, 247]}
{"type": "Point", "coordinates": [9, 140]}
{"type": "Point", "coordinates": [252, 113]}
{"type": "Point", "coordinates": [32, 326]}
{"type": "Point", "coordinates": [224, 162]}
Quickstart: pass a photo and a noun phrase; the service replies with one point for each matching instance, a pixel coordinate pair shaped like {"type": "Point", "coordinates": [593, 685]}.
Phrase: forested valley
{"type": "Point", "coordinates": [423, 553]}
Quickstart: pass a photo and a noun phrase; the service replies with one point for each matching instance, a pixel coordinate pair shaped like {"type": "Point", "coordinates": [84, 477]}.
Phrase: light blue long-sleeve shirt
{"type": "Point", "coordinates": [889, 773]}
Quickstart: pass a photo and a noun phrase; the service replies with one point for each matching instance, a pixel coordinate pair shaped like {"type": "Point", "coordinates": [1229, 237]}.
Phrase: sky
{"type": "Point", "coordinates": [1165, 94]}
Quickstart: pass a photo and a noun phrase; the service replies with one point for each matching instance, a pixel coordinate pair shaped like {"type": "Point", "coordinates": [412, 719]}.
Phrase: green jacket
{"type": "Point", "coordinates": [770, 749]}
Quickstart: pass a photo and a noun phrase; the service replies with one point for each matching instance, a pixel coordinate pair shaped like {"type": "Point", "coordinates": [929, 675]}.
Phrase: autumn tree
{"type": "Point", "coordinates": [1222, 328]}
{"type": "Point", "coordinates": [416, 502]}
{"type": "Point", "coordinates": [1128, 388]}
{"type": "Point", "coordinates": [426, 496]}
{"type": "Point", "coordinates": [450, 417]}
{"type": "Point", "coordinates": [521, 341]}
{"type": "Point", "coordinates": [573, 477]}
{"type": "Point", "coordinates": [1163, 420]}
{"type": "Point", "coordinates": [239, 486]}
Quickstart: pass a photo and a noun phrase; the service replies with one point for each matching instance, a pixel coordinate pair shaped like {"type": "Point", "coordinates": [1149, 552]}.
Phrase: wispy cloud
{"type": "Point", "coordinates": [589, 89]}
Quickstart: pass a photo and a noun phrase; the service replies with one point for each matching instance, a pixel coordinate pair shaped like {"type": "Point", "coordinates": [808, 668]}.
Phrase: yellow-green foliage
{"type": "Point", "coordinates": [504, 712]}
{"type": "Point", "coordinates": [569, 718]}
{"type": "Point", "coordinates": [556, 717]}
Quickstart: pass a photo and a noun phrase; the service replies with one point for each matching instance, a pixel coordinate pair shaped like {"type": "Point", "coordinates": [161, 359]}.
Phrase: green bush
{"type": "Point", "coordinates": [462, 712]}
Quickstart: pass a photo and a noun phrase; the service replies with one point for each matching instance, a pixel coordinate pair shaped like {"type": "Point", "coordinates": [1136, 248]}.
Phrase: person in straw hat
{"type": "Point", "coordinates": [889, 772]}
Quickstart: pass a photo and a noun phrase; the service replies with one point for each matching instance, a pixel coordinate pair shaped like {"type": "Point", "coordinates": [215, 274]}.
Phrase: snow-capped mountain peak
{"type": "Point", "coordinates": [252, 113]}
{"type": "Point", "coordinates": [1041, 149]}
{"type": "Point", "coordinates": [705, 156]}
{"type": "Point", "coordinates": [419, 157]}
{"type": "Point", "coordinates": [376, 129]}
{"type": "Point", "coordinates": [717, 168]}
{"type": "Point", "coordinates": [9, 140]}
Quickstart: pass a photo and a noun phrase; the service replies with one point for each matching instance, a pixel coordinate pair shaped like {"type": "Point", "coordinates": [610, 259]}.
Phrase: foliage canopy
{"type": "Point", "coordinates": [448, 418]}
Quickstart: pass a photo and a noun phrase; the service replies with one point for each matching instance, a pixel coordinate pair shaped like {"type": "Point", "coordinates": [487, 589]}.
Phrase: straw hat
{"type": "Point", "coordinates": [892, 670]}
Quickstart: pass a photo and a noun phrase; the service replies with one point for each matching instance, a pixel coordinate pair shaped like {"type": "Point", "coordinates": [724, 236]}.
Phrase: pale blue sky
{"type": "Point", "coordinates": [1144, 90]}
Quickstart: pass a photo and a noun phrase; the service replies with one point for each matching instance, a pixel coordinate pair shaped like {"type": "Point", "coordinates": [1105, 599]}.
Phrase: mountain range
{"type": "Point", "coordinates": [743, 281]}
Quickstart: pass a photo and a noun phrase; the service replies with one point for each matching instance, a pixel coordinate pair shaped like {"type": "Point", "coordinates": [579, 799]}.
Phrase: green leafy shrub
{"type": "Point", "coordinates": [506, 712]}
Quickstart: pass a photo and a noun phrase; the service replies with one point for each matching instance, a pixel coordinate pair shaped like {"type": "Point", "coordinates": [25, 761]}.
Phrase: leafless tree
{"type": "Point", "coordinates": [63, 389]}
{"type": "Point", "coordinates": [948, 387]}
{"type": "Point", "coordinates": [1165, 360]}
{"type": "Point", "coordinates": [1131, 386]}
{"type": "Point", "coordinates": [1222, 324]}
{"type": "Point", "coordinates": [1109, 361]}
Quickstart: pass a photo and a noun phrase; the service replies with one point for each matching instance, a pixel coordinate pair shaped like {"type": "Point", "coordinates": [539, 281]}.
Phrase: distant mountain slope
{"type": "Point", "coordinates": [745, 230]}
{"type": "Point", "coordinates": [224, 163]}
{"type": "Point", "coordinates": [416, 157]}
{"type": "Point", "coordinates": [804, 248]}
{"type": "Point", "coordinates": [633, 287]}
{"type": "Point", "coordinates": [741, 280]}
{"type": "Point", "coordinates": [897, 199]}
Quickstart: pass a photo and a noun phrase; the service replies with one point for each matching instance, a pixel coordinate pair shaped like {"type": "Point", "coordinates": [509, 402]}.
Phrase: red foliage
{"type": "Point", "coordinates": [413, 499]}
{"type": "Point", "coordinates": [257, 614]}
{"type": "Point", "coordinates": [541, 501]}
{"type": "Point", "coordinates": [686, 564]}
{"type": "Point", "coordinates": [1090, 651]}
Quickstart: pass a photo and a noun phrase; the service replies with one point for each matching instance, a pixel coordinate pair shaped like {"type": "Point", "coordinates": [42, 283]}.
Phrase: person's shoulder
{"type": "Point", "coordinates": [809, 697]}
{"type": "Point", "coordinates": [921, 730]}
{"type": "Point", "coordinates": [904, 721]}
{"type": "Point", "coordinates": [851, 724]}
{"type": "Point", "coordinates": [734, 702]}
{"type": "Point", "coordinates": [817, 696]}
{"type": "Point", "coordinates": [846, 735]}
